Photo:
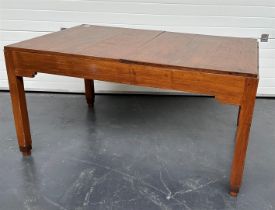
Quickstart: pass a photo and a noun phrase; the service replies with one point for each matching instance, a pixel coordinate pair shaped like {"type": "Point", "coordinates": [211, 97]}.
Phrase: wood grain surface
{"type": "Point", "coordinates": [206, 53]}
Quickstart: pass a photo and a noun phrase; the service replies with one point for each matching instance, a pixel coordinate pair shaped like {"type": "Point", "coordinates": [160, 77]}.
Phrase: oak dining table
{"type": "Point", "coordinates": [223, 67]}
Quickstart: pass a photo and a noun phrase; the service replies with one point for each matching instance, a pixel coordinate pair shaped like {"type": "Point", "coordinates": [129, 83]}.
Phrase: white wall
{"type": "Point", "coordinates": [23, 19]}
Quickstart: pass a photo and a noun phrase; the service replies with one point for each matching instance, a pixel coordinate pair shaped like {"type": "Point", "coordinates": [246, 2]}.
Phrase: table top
{"type": "Point", "coordinates": [215, 54]}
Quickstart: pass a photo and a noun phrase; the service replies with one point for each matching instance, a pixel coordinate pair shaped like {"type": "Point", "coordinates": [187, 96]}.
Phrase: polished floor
{"type": "Point", "coordinates": [134, 152]}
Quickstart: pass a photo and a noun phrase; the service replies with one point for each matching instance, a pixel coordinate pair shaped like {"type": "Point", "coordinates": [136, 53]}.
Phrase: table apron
{"type": "Point", "coordinates": [225, 87]}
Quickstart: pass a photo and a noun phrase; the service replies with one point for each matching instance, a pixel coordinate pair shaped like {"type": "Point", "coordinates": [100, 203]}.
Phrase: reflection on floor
{"type": "Point", "coordinates": [134, 152]}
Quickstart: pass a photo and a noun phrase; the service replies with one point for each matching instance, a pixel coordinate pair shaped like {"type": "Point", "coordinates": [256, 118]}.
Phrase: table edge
{"type": "Point", "coordinates": [203, 70]}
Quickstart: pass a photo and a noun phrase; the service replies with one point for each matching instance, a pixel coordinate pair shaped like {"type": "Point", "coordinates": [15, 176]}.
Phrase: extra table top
{"type": "Point", "coordinates": [226, 55]}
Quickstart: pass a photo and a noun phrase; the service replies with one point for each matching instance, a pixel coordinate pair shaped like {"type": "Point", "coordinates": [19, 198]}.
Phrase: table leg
{"type": "Point", "coordinates": [89, 91]}
{"type": "Point", "coordinates": [242, 135]}
{"type": "Point", "coordinates": [238, 115]}
{"type": "Point", "coordinates": [19, 108]}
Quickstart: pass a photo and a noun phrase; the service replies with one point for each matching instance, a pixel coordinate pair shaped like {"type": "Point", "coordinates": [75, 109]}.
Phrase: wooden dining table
{"type": "Point", "coordinates": [223, 67]}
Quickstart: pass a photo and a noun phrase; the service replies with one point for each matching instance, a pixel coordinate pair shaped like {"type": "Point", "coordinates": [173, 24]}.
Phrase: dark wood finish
{"type": "Point", "coordinates": [89, 91]}
{"type": "Point", "coordinates": [224, 67]}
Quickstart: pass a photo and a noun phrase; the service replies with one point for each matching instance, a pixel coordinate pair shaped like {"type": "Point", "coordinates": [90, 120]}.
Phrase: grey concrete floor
{"type": "Point", "coordinates": [134, 152]}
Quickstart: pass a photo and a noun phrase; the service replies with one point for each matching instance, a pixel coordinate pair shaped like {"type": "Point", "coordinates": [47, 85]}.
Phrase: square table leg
{"type": "Point", "coordinates": [242, 135]}
{"type": "Point", "coordinates": [19, 106]}
{"type": "Point", "coordinates": [89, 92]}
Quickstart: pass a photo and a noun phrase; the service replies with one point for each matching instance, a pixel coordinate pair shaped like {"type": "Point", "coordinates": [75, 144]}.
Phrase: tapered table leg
{"type": "Point", "coordinates": [89, 92]}
{"type": "Point", "coordinates": [19, 108]}
{"type": "Point", "coordinates": [242, 135]}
